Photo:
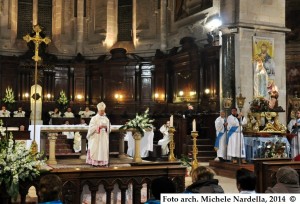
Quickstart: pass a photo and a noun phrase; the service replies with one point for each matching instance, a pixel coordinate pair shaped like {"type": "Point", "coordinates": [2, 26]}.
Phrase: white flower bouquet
{"type": "Point", "coordinates": [9, 96]}
{"type": "Point", "coordinates": [140, 123]}
{"type": "Point", "coordinates": [17, 164]}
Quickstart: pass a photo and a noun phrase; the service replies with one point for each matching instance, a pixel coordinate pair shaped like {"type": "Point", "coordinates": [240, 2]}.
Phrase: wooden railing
{"type": "Point", "coordinates": [74, 180]}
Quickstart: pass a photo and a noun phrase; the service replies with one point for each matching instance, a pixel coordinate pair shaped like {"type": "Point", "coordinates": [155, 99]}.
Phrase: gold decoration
{"type": "Point", "coordinates": [172, 144]}
{"type": "Point", "coordinates": [195, 150]}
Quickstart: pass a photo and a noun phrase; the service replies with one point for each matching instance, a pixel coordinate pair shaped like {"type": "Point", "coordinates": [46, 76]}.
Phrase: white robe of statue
{"type": "Point", "coordinates": [295, 142]}
{"type": "Point", "coordinates": [220, 130]}
{"type": "Point", "coordinates": [98, 141]}
{"type": "Point", "coordinates": [236, 146]}
{"type": "Point", "coordinates": [260, 81]}
{"type": "Point", "coordinates": [165, 140]}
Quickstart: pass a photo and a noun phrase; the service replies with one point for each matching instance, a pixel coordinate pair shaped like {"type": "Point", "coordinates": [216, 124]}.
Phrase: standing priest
{"type": "Point", "coordinates": [98, 138]}
{"type": "Point", "coordinates": [236, 146]}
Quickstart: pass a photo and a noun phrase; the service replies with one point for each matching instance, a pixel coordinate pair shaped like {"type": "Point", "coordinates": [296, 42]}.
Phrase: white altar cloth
{"type": "Point", "coordinates": [146, 143]}
{"type": "Point", "coordinates": [58, 128]}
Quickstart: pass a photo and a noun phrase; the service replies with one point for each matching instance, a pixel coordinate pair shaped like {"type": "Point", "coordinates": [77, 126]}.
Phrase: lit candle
{"type": "Point", "coordinates": [171, 121]}
{"type": "Point", "coordinates": [194, 125]}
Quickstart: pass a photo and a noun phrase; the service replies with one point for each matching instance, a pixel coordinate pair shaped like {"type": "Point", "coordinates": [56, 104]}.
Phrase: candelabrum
{"type": "Point", "coordinates": [195, 150]}
{"type": "Point", "coordinates": [172, 144]}
{"type": "Point", "coordinates": [240, 103]}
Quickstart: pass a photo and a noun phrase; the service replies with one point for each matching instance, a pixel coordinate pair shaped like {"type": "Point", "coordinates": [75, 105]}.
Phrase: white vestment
{"type": "Point", "coordinates": [19, 114]}
{"type": "Point", "coordinates": [68, 115]}
{"type": "Point", "coordinates": [146, 143]}
{"type": "Point", "coordinates": [295, 142]}
{"type": "Point", "coordinates": [220, 130]}
{"type": "Point", "coordinates": [98, 141]}
{"type": "Point", "coordinates": [86, 114]}
{"type": "Point", "coordinates": [165, 140]}
{"type": "Point", "coordinates": [5, 113]}
{"type": "Point", "coordinates": [236, 146]}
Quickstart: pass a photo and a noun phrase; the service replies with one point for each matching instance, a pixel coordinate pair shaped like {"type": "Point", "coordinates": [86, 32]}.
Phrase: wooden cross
{"type": "Point", "coordinates": [37, 40]}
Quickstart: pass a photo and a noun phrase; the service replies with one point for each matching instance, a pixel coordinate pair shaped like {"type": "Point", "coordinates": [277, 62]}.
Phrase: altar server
{"type": "Point", "coordinates": [294, 127]}
{"type": "Point", "coordinates": [98, 138]}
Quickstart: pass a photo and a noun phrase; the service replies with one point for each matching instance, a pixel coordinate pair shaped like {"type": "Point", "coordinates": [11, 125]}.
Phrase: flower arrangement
{"type": "Point", "coordinates": [17, 164]}
{"type": "Point", "coordinates": [140, 123]}
{"type": "Point", "coordinates": [9, 96]}
{"type": "Point", "coordinates": [274, 149]}
{"type": "Point", "coordinates": [259, 105]}
{"type": "Point", "coordinates": [62, 100]}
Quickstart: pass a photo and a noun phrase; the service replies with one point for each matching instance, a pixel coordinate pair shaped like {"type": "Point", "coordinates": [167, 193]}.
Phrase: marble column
{"type": "Point", "coordinates": [163, 25]}
{"type": "Point", "coordinates": [80, 21]}
{"type": "Point", "coordinates": [52, 139]}
{"type": "Point", "coordinates": [228, 67]}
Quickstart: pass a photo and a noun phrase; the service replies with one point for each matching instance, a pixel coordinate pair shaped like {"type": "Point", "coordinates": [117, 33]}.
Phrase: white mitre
{"type": "Point", "coordinates": [101, 106]}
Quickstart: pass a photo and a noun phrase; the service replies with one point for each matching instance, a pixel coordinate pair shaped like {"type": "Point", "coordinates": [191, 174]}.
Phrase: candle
{"type": "Point", "coordinates": [171, 121]}
{"type": "Point", "coordinates": [194, 125]}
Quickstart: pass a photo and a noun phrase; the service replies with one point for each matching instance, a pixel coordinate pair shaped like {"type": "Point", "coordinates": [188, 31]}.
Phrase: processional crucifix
{"type": "Point", "coordinates": [37, 40]}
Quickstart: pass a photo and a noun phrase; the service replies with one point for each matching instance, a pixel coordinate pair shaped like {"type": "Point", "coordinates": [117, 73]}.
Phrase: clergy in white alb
{"type": "Point", "coordinates": [4, 112]}
{"type": "Point", "coordinates": [294, 127]}
{"type": "Point", "coordinates": [98, 138]}
{"type": "Point", "coordinates": [87, 113]}
{"type": "Point", "coordinates": [69, 113]}
{"type": "Point", "coordinates": [220, 144]}
{"type": "Point", "coordinates": [164, 129]}
{"type": "Point", "coordinates": [19, 113]}
{"type": "Point", "coordinates": [236, 146]}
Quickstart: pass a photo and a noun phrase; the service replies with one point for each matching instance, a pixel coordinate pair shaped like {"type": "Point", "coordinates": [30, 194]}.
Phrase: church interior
{"type": "Point", "coordinates": [183, 60]}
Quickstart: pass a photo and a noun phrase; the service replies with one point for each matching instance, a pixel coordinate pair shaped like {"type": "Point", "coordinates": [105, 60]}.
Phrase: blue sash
{"type": "Point", "coordinates": [230, 132]}
{"type": "Point", "coordinates": [217, 143]}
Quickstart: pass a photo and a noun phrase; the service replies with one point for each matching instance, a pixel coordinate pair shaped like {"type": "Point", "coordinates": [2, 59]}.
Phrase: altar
{"type": "Point", "coordinates": [146, 143]}
{"type": "Point", "coordinates": [50, 132]}
{"type": "Point", "coordinates": [254, 145]}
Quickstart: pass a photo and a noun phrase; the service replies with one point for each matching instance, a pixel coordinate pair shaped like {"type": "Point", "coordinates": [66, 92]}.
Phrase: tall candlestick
{"type": "Point", "coordinates": [171, 121]}
{"type": "Point", "coordinates": [194, 125]}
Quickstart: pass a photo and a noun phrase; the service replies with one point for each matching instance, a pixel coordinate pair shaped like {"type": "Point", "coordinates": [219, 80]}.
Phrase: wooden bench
{"type": "Point", "coordinates": [266, 171]}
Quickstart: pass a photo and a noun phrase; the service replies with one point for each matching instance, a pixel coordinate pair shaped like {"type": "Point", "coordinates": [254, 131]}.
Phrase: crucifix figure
{"type": "Point", "coordinates": [37, 40]}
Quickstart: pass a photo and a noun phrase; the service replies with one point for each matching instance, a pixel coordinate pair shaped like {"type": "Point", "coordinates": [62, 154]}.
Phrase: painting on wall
{"type": "Point", "coordinates": [264, 67]}
{"type": "Point", "coordinates": [184, 8]}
